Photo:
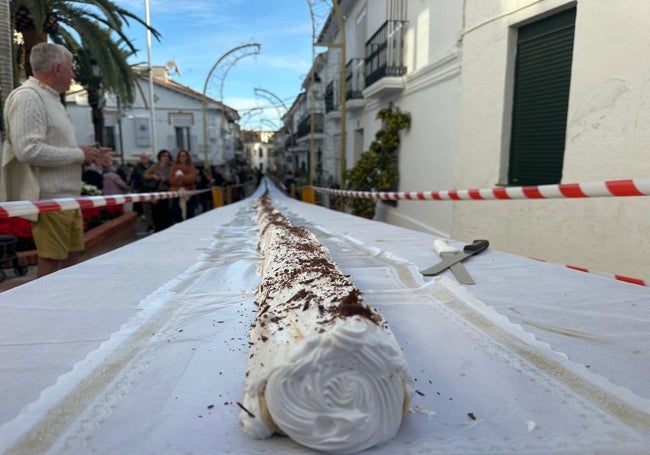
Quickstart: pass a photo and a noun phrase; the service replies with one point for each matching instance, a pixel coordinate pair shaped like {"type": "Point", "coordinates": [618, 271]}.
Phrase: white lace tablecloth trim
{"type": "Point", "coordinates": [170, 379]}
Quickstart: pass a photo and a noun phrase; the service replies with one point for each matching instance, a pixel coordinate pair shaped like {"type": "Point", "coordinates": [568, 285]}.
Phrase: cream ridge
{"type": "Point", "coordinates": [324, 368]}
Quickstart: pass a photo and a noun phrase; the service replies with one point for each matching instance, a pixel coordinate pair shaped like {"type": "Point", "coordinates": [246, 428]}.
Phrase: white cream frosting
{"type": "Point", "coordinates": [324, 369]}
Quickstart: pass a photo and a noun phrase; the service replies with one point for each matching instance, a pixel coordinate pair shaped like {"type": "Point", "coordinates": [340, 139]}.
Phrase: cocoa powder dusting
{"type": "Point", "coordinates": [304, 261]}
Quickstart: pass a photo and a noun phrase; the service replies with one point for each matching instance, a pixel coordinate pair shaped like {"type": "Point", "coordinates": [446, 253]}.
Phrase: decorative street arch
{"type": "Point", "coordinates": [228, 59]}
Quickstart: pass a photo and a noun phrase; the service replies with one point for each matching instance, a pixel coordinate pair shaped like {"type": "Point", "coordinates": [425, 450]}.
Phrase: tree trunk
{"type": "Point", "coordinates": [6, 59]}
{"type": "Point", "coordinates": [32, 37]}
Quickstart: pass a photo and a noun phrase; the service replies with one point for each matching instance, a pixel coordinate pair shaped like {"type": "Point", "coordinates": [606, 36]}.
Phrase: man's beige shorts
{"type": "Point", "coordinates": [57, 234]}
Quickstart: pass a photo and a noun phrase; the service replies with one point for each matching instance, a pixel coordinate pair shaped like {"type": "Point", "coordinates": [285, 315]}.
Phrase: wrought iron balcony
{"type": "Point", "coordinates": [304, 127]}
{"type": "Point", "coordinates": [332, 97]}
{"type": "Point", "coordinates": [385, 52]}
{"type": "Point", "coordinates": [354, 79]}
{"type": "Point", "coordinates": [290, 140]}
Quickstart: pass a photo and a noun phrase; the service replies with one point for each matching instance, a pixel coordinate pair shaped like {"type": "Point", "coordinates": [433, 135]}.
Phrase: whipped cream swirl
{"type": "Point", "coordinates": [342, 392]}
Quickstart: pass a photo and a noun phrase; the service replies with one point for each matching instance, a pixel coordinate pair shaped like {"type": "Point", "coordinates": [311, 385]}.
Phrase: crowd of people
{"type": "Point", "coordinates": [41, 160]}
{"type": "Point", "coordinates": [167, 173]}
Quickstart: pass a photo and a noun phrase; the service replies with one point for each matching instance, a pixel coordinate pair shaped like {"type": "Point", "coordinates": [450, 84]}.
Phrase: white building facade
{"type": "Point", "coordinates": [259, 150]}
{"type": "Point", "coordinates": [178, 112]}
{"type": "Point", "coordinates": [508, 93]}
{"type": "Point", "coordinates": [401, 54]}
{"type": "Point", "coordinates": [605, 132]}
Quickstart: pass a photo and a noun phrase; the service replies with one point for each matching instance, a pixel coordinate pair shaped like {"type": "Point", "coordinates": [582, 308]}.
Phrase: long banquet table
{"type": "Point", "coordinates": [144, 350]}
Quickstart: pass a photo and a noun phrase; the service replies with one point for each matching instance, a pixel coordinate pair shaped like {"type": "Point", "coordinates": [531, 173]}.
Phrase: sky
{"type": "Point", "coordinates": [197, 34]}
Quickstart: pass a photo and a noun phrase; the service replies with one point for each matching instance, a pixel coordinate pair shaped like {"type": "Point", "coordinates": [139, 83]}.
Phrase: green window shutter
{"type": "Point", "coordinates": [541, 100]}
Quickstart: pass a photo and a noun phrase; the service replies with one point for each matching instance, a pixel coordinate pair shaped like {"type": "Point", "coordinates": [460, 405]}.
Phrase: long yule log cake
{"type": "Point", "coordinates": [324, 369]}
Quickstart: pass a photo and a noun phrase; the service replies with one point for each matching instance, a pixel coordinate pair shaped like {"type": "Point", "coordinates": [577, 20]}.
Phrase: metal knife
{"type": "Point", "coordinates": [445, 250]}
{"type": "Point", "coordinates": [469, 250]}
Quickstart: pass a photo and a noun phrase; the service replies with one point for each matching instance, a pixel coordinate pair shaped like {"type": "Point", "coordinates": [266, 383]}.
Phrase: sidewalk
{"type": "Point", "coordinates": [11, 281]}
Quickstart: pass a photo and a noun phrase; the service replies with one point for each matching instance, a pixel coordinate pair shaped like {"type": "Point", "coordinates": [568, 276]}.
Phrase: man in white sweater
{"type": "Point", "coordinates": [41, 149]}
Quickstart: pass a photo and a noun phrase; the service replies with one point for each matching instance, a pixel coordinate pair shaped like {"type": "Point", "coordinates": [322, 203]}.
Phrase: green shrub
{"type": "Point", "coordinates": [376, 169]}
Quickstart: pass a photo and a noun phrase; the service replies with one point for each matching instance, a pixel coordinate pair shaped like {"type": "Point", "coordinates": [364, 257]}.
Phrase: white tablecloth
{"type": "Point", "coordinates": [144, 349]}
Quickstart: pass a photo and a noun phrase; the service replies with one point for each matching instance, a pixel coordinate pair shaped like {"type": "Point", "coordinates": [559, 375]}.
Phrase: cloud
{"type": "Point", "coordinates": [197, 33]}
{"type": "Point", "coordinates": [189, 15]}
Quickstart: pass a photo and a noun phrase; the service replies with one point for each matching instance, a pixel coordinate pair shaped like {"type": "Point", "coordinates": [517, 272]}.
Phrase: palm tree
{"type": "Point", "coordinates": [94, 31]}
{"type": "Point", "coordinates": [87, 59]}
{"type": "Point", "coordinates": [94, 25]}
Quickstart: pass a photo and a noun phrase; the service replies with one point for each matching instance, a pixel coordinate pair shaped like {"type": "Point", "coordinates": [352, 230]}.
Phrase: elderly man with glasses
{"type": "Point", "coordinates": [41, 159]}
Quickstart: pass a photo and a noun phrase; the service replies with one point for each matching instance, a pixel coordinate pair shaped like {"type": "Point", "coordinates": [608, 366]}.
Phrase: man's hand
{"type": "Point", "coordinates": [105, 158]}
{"type": "Point", "coordinates": [90, 153]}
{"type": "Point", "coordinates": [99, 156]}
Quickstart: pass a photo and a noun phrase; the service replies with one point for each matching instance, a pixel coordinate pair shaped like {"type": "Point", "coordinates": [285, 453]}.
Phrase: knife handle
{"type": "Point", "coordinates": [442, 246]}
{"type": "Point", "coordinates": [476, 247]}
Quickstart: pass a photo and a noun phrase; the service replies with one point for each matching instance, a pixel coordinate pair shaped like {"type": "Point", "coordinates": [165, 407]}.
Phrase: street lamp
{"type": "Point", "coordinates": [152, 107]}
{"type": "Point", "coordinates": [119, 123]}
{"type": "Point", "coordinates": [97, 101]}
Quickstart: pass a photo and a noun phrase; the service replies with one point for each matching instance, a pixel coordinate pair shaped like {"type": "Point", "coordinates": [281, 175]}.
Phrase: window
{"type": "Point", "coordinates": [182, 137]}
{"type": "Point", "coordinates": [360, 34]}
{"type": "Point", "coordinates": [541, 98]}
{"type": "Point", "coordinates": [182, 123]}
{"type": "Point", "coordinates": [109, 135]}
{"type": "Point", "coordinates": [110, 130]}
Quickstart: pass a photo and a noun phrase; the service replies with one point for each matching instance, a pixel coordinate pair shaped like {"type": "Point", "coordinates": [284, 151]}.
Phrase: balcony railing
{"type": "Point", "coordinates": [290, 140]}
{"type": "Point", "coordinates": [354, 79]}
{"type": "Point", "coordinates": [304, 127]}
{"type": "Point", "coordinates": [332, 97]}
{"type": "Point", "coordinates": [385, 52]}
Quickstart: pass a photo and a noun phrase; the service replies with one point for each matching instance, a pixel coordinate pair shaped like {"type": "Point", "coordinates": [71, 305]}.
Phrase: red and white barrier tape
{"type": "Point", "coordinates": [627, 279]}
{"type": "Point", "coordinates": [22, 208]}
{"type": "Point", "coordinates": [612, 188]}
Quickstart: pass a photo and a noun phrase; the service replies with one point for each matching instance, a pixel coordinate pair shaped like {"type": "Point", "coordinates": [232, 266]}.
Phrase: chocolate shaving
{"type": "Point", "coordinates": [265, 308]}
{"type": "Point", "coordinates": [300, 261]}
{"type": "Point", "coordinates": [245, 410]}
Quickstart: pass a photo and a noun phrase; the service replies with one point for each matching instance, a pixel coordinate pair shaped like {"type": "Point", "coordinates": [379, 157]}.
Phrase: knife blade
{"type": "Point", "coordinates": [469, 250]}
{"type": "Point", "coordinates": [445, 250]}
